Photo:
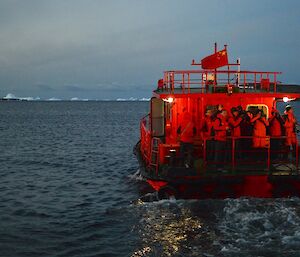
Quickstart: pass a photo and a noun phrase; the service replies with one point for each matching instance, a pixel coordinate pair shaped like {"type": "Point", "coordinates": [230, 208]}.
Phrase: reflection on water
{"type": "Point", "coordinates": [170, 228]}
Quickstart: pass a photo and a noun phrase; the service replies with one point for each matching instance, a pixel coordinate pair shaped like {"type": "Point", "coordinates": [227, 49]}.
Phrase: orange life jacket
{"type": "Point", "coordinates": [275, 127]}
{"type": "Point", "coordinates": [259, 134]}
{"type": "Point", "coordinates": [219, 126]}
{"type": "Point", "coordinates": [289, 125]}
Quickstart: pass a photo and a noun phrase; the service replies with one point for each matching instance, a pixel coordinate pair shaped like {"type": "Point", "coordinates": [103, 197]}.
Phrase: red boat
{"type": "Point", "coordinates": [190, 146]}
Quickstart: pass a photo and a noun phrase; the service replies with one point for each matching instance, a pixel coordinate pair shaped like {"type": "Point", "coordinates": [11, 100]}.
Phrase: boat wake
{"type": "Point", "coordinates": [136, 176]}
{"type": "Point", "coordinates": [270, 227]}
{"type": "Point", "coordinates": [232, 227]}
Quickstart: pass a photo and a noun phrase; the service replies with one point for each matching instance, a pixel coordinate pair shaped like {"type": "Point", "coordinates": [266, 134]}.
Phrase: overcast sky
{"type": "Point", "coordinates": [110, 49]}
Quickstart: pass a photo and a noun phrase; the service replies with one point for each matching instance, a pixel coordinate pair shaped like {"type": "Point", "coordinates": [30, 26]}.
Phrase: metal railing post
{"type": "Point", "coordinates": [204, 151]}
{"type": "Point", "coordinates": [233, 153]}
{"type": "Point", "coordinates": [297, 153]}
{"type": "Point", "coordinates": [189, 81]}
{"type": "Point", "coordinates": [269, 154]}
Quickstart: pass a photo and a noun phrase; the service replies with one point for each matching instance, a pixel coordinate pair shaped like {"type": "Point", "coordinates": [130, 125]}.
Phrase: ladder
{"type": "Point", "coordinates": [154, 157]}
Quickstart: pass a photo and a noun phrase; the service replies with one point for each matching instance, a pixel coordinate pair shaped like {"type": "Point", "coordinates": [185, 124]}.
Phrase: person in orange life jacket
{"type": "Point", "coordinates": [290, 123]}
{"type": "Point", "coordinates": [260, 130]}
{"type": "Point", "coordinates": [186, 131]}
{"type": "Point", "coordinates": [207, 134]}
{"type": "Point", "coordinates": [275, 130]}
{"type": "Point", "coordinates": [235, 128]}
{"type": "Point", "coordinates": [220, 128]}
{"type": "Point", "coordinates": [234, 122]}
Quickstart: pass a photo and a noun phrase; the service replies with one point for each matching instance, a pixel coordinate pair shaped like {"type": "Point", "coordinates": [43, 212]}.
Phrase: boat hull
{"type": "Point", "coordinates": [220, 186]}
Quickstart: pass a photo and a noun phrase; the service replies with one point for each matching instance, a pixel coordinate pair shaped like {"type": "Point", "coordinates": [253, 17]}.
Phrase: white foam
{"type": "Point", "coordinates": [136, 176]}
{"type": "Point", "coordinates": [259, 223]}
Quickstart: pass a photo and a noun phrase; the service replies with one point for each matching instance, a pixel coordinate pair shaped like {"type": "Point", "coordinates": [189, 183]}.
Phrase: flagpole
{"type": "Point", "coordinates": [239, 70]}
{"type": "Point", "coordinates": [228, 76]}
{"type": "Point", "coordinates": [215, 75]}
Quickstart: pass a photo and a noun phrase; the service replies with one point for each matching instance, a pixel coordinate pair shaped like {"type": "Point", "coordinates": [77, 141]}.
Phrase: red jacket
{"type": "Point", "coordinates": [220, 127]}
{"type": "Point", "coordinates": [260, 132]}
{"type": "Point", "coordinates": [290, 129]}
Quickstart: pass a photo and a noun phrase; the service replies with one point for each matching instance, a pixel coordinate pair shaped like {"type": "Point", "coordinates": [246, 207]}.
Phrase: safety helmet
{"type": "Point", "coordinates": [288, 107]}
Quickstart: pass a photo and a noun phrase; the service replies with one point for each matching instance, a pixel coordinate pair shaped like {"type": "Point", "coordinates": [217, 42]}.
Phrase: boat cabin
{"type": "Point", "coordinates": [197, 91]}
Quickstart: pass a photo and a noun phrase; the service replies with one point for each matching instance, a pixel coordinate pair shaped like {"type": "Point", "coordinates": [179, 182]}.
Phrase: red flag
{"type": "Point", "coordinates": [216, 60]}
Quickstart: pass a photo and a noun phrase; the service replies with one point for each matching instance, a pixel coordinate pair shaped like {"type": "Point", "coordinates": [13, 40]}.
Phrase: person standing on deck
{"type": "Point", "coordinates": [186, 132]}
{"type": "Point", "coordinates": [235, 127]}
{"type": "Point", "coordinates": [207, 134]}
{"type": "Point", "coordinates": [260, 130]}
{"type": "Point", "coordinates": [290, 127]}
{"type": "Point", "coordinates": [276, 123]}
{"type": "Point", "coordinates": [220, 127]}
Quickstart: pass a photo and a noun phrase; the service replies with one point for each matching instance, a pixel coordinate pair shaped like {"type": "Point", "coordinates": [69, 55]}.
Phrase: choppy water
{"type": "Point", "coordinates": [68, 188]}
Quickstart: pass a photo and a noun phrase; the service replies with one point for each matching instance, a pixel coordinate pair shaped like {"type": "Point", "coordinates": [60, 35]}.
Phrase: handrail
{"type": "Point", "coordinates": [145, 136]}
{"type": "Point", "coordinates": [201, 79]}
{"type": "Point", "coordinates": [147, 147]}
{"type": "Point", "coordinates": [268, 148]}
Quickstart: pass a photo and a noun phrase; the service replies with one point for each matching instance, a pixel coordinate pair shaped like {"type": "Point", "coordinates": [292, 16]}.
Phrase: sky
{"type": "Point", "coordinates": [109, 49]}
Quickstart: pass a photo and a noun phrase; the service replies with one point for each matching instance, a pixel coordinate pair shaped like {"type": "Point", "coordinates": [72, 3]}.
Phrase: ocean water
{"type": "Point", "coordinates": [69, 187]}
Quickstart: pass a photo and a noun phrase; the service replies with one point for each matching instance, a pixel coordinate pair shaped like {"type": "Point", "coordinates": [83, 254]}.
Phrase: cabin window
{"type": "Point", "coordinates": [254, 107]}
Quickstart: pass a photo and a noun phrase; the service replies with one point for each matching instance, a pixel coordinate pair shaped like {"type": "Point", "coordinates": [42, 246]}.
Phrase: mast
{"type": "Point", "coordinates": [215, 73]}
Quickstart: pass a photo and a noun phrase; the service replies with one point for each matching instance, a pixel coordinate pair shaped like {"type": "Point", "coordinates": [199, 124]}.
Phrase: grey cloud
{"type": "Point", "coordinates": [44, 87]}
{"type": "Point", "coordinates": [105, 48]}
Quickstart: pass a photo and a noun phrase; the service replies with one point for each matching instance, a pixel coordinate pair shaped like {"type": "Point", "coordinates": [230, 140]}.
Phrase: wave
{"type": "Point", "coordinates": [260, 223]}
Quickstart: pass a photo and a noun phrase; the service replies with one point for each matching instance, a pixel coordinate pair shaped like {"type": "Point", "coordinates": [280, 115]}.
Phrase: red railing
{"type": "Point", "coordinates": [252, 154]}
{"type": "Point", "coordinates": [210, 80]}
{"type": "Point", "coordinates": [234, 162]}
{"type": "Point", "coordinates": [145, 138]}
